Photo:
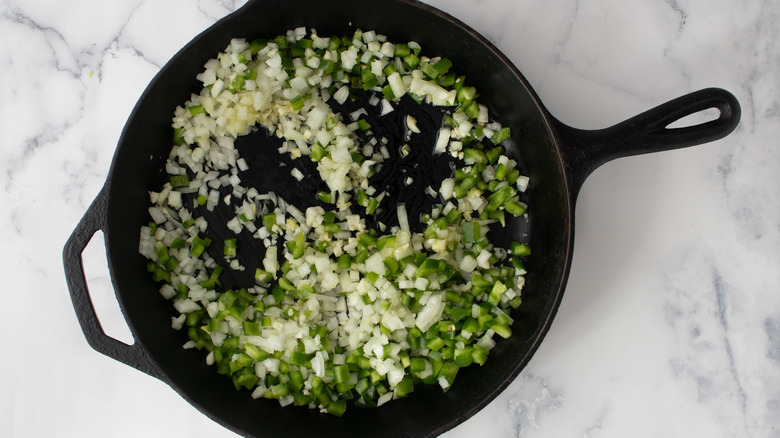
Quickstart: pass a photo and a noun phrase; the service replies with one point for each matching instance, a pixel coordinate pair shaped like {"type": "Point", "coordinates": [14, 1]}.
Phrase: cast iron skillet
{"type": "Point", "coordinates": [557, 158]}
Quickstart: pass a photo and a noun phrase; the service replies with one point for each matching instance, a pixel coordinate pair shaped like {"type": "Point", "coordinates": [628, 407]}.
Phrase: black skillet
{"type": "Point", "coordinates": [557, 158]}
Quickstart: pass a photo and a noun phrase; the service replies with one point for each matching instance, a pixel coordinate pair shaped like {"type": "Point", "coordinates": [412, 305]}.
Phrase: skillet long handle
{"type": "Point", "coordinates": [133, 355]}
{"type": "Point", "coordinates": [583, 150]}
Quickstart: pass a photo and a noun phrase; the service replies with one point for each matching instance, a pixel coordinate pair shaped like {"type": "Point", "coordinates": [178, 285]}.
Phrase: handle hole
{"type": "Point", "coordinates": [101, 292]}
{"type": "Point", "coordinates": [697, 118]}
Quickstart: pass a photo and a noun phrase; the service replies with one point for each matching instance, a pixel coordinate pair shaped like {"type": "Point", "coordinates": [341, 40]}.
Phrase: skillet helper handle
{"type": "Point", "coordinates": [584, 151]}
{"type": "Point", "coordinates": [134, 355]}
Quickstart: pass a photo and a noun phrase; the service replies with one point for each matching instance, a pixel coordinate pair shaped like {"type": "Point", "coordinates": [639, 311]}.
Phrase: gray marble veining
{"type": "Point", "coordinates": [670, 325]}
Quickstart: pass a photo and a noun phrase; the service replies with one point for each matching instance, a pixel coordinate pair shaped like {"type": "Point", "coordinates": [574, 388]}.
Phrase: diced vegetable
{"type": "Point", "coordinates": [337, 310]}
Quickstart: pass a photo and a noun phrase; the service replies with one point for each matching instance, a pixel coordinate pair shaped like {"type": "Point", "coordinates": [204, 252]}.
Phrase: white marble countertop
{"type": "Point", "coordinates": [670, 325]}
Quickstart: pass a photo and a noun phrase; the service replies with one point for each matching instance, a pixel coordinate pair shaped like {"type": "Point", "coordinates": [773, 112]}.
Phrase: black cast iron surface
{"type": "Point", "coordinates": [556, 157]}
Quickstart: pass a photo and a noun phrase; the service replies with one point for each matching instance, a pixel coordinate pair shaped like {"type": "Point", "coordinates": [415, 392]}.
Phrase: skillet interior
{"type": "Point", "coordinates": [138, 167]}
